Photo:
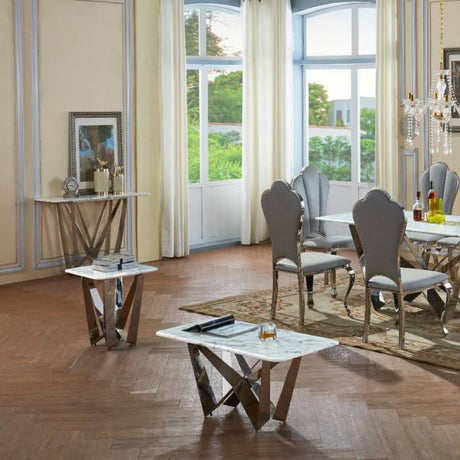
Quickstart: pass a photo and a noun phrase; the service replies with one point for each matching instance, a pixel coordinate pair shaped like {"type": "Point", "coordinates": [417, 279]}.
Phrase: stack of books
{"type": "Point", "coordinates": [115, 262]}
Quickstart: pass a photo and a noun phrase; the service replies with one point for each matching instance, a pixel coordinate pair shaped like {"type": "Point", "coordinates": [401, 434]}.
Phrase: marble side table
{"type": "Point", "coordinates": [104, 319]}
{"type": "Point", "coordinates": [245, 386]}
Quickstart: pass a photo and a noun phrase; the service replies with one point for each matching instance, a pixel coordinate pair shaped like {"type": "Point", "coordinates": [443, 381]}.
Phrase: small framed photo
{"type": "Point", "coordinates": [452, 63]}
{"type": "Point", "coordinates": [94, 136]}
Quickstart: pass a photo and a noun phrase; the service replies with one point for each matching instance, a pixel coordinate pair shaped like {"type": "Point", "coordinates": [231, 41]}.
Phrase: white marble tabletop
{"type": "Point", "coordinates": [86, 198]}
{"type": "Point", "coordinates": [450, 228]}
{"type": "Point", "coordinates": [88, 272]}
{"type": "Point", "coordinates": [288, 344]}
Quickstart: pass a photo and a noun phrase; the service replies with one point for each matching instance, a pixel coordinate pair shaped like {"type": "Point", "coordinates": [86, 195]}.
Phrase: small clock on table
{"type": "Point", "coordinates": [70, 187]}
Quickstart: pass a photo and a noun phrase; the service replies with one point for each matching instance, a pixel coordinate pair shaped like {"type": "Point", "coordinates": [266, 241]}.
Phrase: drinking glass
{"type": "Point", "coordinates": [267, 332]}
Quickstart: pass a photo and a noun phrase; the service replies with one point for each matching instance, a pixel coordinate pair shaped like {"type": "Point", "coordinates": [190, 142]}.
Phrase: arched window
{"type": "Point", "coordinates": [338, 61]}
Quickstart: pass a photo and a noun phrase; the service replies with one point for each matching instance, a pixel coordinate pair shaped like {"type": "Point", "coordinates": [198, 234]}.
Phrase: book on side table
{"type": "Point", "coordinates": [225, 326]}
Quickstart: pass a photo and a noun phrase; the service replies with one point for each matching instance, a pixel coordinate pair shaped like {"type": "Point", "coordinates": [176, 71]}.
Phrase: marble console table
{"type": "Point", "coordinates": [244, 387]}
{"type": "Point", "coordinates": [74, 228]}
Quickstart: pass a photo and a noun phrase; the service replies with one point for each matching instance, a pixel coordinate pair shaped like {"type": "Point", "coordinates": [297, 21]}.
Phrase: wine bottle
{"type": "Point", "coordinates": [431, 197]}
{"type": "Point", "coordinates": [417, 209]}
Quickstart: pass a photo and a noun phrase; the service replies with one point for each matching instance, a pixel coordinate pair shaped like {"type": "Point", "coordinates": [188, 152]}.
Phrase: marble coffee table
{"type": "Point", "coordinates": [244, 386]}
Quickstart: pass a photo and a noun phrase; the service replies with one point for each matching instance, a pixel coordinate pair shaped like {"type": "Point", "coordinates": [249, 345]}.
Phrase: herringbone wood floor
{"type": "Point", "coordinates": [61, 398]}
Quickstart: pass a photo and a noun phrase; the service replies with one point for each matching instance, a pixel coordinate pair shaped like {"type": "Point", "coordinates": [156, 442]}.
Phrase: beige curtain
{"type": "Point", "coordinates": [386, 129]}
{"type": "Point", "coordinates": [267, 107]}
{"type": "Point", "coordinates": [174, 187]}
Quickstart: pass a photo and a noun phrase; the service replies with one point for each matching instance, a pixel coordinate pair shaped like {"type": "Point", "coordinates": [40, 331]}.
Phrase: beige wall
{"type": "Point", "coordinates": [451, 40]}
{"type": "Point", "coordinates": [81, 67]}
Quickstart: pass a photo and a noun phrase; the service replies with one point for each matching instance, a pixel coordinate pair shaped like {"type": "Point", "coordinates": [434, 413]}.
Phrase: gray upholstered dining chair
{"type": "Point", "coordinates": [380, 224]}
{"type": "Point", "coordinates": [314, 187]}
{"type": "Point", "coordinates": [283, 212]}
{"type": "Point", "coordinates": [445, 184]}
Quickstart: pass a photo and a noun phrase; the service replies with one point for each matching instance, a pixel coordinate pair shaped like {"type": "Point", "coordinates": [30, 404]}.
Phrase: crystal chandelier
{"type": "Point", "coordinates": [440, 104]}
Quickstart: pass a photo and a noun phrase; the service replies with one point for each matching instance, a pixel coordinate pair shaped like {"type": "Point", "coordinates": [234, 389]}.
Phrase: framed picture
{"type": "Point", "coordinates": [452, 62]}
{"type": "Point", "coordinates": [94, 136]}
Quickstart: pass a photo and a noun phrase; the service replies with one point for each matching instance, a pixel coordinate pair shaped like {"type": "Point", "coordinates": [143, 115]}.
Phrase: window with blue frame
{"type": "Point", "coordinates": [339, 46]}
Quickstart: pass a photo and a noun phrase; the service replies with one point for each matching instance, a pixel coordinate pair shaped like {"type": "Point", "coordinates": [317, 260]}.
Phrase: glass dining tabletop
{"type": "Point", "coordinates": [451, 227]}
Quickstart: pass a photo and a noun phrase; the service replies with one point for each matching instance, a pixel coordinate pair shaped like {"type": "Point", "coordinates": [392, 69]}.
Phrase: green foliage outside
{"type": "Point", "coordinates": [368, 123]}
{"type": "Point", "coordinates": [193, 134]}
{"type": "Point", "coordinates": [225, 100]}
{"type": "Point", "coordinates": [367, 120]}
{"type": "Point", "coordinates": [367, 160]}
{"type": "Point", "coordinates": [318, 109]}
{"type": "Point", "coordinates": [224, 156]}
{"type": "Point", "coordinates": [192, 44]}
{"type": "Point", "coordinates": [332, 156]}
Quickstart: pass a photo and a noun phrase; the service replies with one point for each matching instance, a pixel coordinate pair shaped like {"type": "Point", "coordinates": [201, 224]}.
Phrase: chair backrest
{"type": "Point", "coordinates": [282, 208]}
{"type": "Point", "coordinates": [313, 187]}
{"type": "Point", "coordinates": [445, 184]}
{"type": "Point", "coordinates": [380, 224]}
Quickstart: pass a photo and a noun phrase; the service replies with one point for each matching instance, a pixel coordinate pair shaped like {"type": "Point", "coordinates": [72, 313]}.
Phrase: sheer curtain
{"type": "Point", "coordinates": [267, 107]}
{"type": "Point", "coordinates": [386, 129]}
{"type": "Point", "coordinates": [174, 187]}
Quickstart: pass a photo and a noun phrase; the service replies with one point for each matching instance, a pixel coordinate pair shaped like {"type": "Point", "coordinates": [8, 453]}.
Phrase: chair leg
{"type": "Point", "coordinates": [309, 281]}
{"type": "Point", "coordinates": [301, 300]}
{"type": "Point", "coordinates": [367, 314]}
{"type": "Point", "coordinates": [426, 253]}
{"type": "Point", "coordinates": [402, 320]}
{"type": "Point", "coordinates": [351, 274]}
{"type": "Point", "coordinates": [397, 304]}
{"type": "Point", "coordinates": [274, 294]}
{"type": "Point", "coordinates": [449, 308]}
{"type": "Point", "coordinates": [334, 283]}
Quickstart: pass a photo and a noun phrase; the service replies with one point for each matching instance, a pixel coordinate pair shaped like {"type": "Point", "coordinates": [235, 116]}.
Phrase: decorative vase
{"type": "Point", "coordinates": [118, 184]}
{"type": "Point", "coordinates": [101, 181]}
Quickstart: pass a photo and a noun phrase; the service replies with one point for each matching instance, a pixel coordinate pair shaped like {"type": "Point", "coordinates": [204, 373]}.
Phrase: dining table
{"type": "Point", "coordinates": [447, 261]}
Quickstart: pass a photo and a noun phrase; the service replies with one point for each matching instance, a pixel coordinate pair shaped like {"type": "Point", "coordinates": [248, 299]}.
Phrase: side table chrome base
{"type": "Point", "coordinates": [107, 321]}
{"type": "Point", "coordinates": [245, 387]}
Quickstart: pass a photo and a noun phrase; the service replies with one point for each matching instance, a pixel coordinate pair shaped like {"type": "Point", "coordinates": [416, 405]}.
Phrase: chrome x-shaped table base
{"type": "Point", "coordinates": [245, 387]}
{"type": "Point", "coordinates": [107, 321]}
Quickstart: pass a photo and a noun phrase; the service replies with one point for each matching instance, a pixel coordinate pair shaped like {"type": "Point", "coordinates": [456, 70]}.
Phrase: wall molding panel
{"type": "Point", "coordinates": [413, 154]}
{"type": "Point", "coordinates": [39, 128]}
{"type": "Point", "coordinates": [19, 264]}
{"type": "Point", "coordinates": [128, 119]}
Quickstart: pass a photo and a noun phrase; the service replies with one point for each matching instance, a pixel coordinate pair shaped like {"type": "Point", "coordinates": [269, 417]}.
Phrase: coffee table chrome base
{"type": "Point", "coordinates": [245, 387]}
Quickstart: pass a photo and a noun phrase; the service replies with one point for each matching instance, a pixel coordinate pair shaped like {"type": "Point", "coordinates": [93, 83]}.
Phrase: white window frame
{"type": "Point", "coordinates": [353, 62]}
{"type": "Point", "coordinates": [204, 64]}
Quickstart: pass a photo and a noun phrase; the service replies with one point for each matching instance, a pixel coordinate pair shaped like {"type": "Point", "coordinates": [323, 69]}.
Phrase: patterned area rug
{"type": "Point", "coordinates": [424, 339]}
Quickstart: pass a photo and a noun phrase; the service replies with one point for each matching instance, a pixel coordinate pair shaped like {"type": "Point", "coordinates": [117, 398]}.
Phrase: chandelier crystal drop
{"type": "Point", "coordinates": [440, 104]}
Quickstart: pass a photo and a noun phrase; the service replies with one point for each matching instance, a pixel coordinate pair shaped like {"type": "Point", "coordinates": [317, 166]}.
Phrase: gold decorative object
{"type": "Point", "coordinates": [118, 180]}
{"type": "Point", "coordinates": [101, 178]}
